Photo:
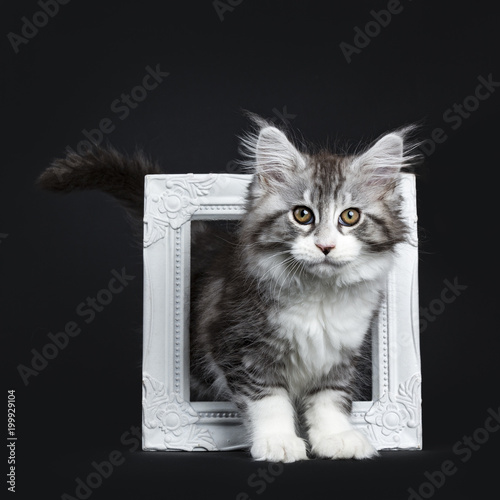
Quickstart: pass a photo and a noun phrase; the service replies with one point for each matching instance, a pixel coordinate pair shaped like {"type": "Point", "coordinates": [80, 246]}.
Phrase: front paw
{"type": "Point", "coordinates": [347, 444]}
{"type": "Point", "coordinates": [279, 448]}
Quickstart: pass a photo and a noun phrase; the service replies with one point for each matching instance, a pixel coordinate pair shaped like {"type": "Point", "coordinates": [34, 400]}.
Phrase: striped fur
{"type": "Point", "coordinates": [278, 325]}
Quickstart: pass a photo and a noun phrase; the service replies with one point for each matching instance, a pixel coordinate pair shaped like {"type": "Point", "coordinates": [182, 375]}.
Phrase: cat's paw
{"type": "Point", "coordinates": [347, 444]}
{"type": "Point", "coordinates": [279, 448]}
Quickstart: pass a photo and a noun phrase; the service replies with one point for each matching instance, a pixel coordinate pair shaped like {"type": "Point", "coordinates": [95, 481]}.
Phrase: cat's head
{"type": "Point", "coordinates": [323, 214]}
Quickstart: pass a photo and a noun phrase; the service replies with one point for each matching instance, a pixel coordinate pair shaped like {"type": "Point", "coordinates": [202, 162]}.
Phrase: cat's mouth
{"type": "Point", "coordinates": [329, 264]}
{"type": "Point", "coordinates": [320, 265]}
{"type": "Point", "coordinates": [335, 263]}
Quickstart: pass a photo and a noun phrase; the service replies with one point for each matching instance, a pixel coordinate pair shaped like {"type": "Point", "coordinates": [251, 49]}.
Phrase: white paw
{"type": "Point", "coordinates": [279, 448]}
{"type": "Point", "coordinates": [347, 444]}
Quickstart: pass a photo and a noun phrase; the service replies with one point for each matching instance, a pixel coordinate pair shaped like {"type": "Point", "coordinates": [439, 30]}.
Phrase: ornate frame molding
{"type": "Point", "coordinates": [392, 420]}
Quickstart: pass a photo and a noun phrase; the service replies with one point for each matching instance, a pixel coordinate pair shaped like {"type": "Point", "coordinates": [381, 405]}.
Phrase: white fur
{"type": "Point", "coordinates": [275, 154]}
{"type": "Point", "coordinates": [385, 158]}
{"type": "Point", "coordinates": [347, 247]}
{"type": "Point", "coordinates": [272, 426]}
{"type": "Point", "coordinates": [331, 434]}
{"type": "Point", "coordinates": [319, 324]}
{"type": "Point", "coordinates": [348, 444]}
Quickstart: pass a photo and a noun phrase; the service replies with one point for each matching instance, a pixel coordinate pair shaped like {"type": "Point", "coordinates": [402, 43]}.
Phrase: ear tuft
{"type": "Point", "coordinates": [390, 145]}
{"type": "Point", "coordinates": [272, 156]}
{"type": "Point", "coordinates": [383, 161]}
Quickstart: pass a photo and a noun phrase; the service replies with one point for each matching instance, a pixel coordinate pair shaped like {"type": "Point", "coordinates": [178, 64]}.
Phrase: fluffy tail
{"type": "Point", "coordinates": [105, 169]}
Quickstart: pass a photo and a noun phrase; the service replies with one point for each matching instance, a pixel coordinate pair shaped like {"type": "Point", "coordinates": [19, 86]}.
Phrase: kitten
{"type": "Point", "coordinates": [280, 315]}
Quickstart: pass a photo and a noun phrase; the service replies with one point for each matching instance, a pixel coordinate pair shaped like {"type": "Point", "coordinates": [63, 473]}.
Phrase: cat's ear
{"type": "Point", "coordinates": [276, 158]}
{"type": "Point", "coordinates": [382, 163]}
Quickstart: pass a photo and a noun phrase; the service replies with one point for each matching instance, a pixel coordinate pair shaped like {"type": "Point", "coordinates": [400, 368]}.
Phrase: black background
{"type": "Point", "coordinates": [262, 56]}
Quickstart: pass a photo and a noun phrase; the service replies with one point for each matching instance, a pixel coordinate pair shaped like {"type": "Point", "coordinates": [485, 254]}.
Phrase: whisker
{"type": "Point", "coordinates": [284, 263]}
{"type": "Point", "coordinates": [294, 266]}
{"type": "Point", "coordinates": [273, 267]}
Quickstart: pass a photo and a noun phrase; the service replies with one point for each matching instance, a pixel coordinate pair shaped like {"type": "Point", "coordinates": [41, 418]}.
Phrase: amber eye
{"type": "Point", "coordinates": [303, 215]}
{"type": "Point", "coordinates": [349, 217]}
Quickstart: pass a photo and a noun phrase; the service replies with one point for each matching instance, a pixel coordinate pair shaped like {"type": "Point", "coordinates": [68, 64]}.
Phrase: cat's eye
{"type": "Point", "coordinates": [349, 217]}
{"type": "Point", "coordinates": [303, 215]}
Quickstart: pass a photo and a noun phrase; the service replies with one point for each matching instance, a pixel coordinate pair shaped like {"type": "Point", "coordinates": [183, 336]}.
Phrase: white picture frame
{"type": "Point", "coordinates": [391, 420]}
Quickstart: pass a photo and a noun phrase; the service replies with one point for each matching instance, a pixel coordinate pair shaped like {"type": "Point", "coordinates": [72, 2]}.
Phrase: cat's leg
{"type": "Point", "coordinates": [331, 434]}
{"type": "Point", "coordinates": [271, 421]}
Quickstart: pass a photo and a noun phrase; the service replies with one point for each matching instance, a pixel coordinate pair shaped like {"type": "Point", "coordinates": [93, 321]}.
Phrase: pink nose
{"type": "Point", "coordinates": [325, 249]}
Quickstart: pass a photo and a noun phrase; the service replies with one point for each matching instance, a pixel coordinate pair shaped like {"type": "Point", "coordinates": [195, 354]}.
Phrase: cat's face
{"type": "Point", "coordinates": [324, 215]}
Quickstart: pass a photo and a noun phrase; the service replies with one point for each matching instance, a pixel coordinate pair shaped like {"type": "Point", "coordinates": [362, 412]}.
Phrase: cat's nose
{"type": "Point", "coordinates": [325, 249]}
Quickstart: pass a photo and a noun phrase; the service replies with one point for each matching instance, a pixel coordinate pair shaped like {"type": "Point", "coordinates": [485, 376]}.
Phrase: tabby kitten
{"type": "Point", "coordinates": [280, 315]}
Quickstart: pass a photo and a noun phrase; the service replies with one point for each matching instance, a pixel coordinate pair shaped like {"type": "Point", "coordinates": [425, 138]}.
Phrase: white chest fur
{"type": "Point", "coordinates": [321, 326]}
